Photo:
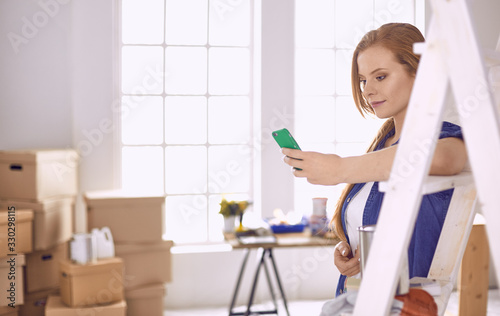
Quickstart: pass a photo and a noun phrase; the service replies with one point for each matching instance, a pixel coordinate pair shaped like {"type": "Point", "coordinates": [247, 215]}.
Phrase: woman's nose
{"type": "Point", "coordinates": [368, 89]}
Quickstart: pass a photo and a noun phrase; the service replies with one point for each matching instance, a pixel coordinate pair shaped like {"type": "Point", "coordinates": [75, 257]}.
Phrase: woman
{"type": "Point", "coordinates": [383, 72]}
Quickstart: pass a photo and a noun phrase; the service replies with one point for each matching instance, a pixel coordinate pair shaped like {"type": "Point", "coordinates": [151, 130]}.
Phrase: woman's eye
{"type": "Point", "coordinates": [379, 78]}
{"type": "Point", "coordinates": [362, 83]}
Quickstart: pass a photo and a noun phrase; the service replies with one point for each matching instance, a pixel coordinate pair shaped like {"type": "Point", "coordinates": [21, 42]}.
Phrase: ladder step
{"type": "Point", "coordinates": [438, 183]}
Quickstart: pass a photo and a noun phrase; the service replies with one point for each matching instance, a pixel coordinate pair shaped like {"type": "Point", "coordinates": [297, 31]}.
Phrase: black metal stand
{"type": "Point", "coordinates": [262, 257]}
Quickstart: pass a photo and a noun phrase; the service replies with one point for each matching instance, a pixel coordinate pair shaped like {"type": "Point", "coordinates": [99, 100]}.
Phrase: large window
{"type": "Point", "coordinates": [186, 74]}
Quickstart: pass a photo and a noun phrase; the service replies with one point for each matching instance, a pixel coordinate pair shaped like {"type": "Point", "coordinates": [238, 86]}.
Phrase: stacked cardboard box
{"type": "Point", "coordinates": [137, 226]}
{"type": "Point", "coordinates": [93, 288]}
{"type": "Point", "coordinates": [56, 307]}
{"type": "Point", "coordinates": [8, 311]}
{"type": "Point", "coordinates": [44, 182]}
{"type": "Point", "coordinates": [93, 284]}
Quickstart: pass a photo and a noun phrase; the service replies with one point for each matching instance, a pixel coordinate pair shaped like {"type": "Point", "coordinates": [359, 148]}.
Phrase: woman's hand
{"type": "Point", "coordinates": [344, 260]}
{"type": "Point", "coordinates": [318, 168]}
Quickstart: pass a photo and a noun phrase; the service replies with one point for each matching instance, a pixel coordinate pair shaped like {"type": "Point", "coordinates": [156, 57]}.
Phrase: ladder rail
{"type": "Point", "coordinates": [454, 235]}
{"type": "Point", "coordinates": [478, 112]}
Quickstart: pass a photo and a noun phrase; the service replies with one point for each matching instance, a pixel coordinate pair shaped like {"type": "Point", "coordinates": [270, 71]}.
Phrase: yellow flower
{"type": "Point", "coordinates": [228, 208]}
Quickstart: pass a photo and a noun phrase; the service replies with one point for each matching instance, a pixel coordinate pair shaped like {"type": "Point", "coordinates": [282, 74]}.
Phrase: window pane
{"type": "Point", "coordinates": [186, 70]}
{"type": "Point", "coordinates": [351, 126]}
{"type": "Point", "coordinates": [343, 72]}
{"type": "Point", "coordinates": [229, 23]}
{"type": "Point", "coordinates": [142, 121]}
{"type": "Point", "coordinates": [186, 218]}
{"type": "Point", "coordinates": [316, 119]}
{"type": "Point", "coordinates": [314, 23]}
{"type": "Point", "coordinates": [305, 192]}
{"type": "Point", "coordinates": [142, 170]}
{"type": "Point", "coordinates": [229, 71]}
{"type": "Point", "coordinates": [228, 120]}
{"type": "Point", "coordinates": [185, 169]}
{"type": "Point", "coordinates": [142, 21]}
{"type": "Point", "coordinates": [186, 120]}
{"type": "Point", "coordinates": [389, 11]}
{"type": "Point", "coordinates": [186, 22]}
{"type": "Point", "coordinates": [229, 169]}
{"type": "Point", "coordinates": [215, 220]}
{"type": "Point", "coordinates": [315, 72]}
{"type": "Point", "coordinates": [351, 23]}
{"type": "Point", "coordinates": [142, 70]}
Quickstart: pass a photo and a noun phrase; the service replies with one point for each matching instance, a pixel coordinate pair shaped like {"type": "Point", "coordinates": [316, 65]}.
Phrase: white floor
{"type": "Point", "coordinates": [313, 308]}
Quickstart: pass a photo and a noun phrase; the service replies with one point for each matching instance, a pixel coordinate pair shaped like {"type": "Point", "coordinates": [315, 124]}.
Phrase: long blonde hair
{"type": "Point", "coordinates": [399, 39]}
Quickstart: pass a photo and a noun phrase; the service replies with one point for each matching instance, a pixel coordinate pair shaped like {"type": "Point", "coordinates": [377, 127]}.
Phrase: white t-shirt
{"type": "Point", "coordinates": [354, 217]}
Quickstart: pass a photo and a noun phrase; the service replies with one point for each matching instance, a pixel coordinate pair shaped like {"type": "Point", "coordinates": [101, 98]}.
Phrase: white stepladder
{"type": "Point", "coordinates": [451, 60]}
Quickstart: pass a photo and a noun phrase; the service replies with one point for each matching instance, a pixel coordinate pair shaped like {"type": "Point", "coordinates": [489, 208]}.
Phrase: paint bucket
{"type": "Point", "coordinates": [83, 248]}
{"type": "Point", "coordinates": [104, 242]}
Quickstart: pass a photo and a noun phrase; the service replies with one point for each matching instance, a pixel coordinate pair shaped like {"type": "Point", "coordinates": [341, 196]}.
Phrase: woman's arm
{"type": "Point", "coordinates": [450, 157]}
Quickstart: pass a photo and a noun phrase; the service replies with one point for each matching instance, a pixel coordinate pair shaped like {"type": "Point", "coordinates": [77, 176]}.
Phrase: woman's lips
{"type": "Point", "coordinates": [377, 103]}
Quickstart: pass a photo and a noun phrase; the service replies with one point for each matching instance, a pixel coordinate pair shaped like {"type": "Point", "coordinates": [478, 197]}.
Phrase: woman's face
{"type": "Point", "coordinates": [386, 84]}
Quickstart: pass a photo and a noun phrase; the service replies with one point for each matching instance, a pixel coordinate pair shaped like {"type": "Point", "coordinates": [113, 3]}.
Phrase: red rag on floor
{"type": "Point", "coordinates": [418, 302]}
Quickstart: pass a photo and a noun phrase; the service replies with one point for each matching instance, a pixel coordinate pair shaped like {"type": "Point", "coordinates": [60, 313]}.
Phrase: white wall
{"type": "Point", "coordinates": [56, 81]}
{"type": "Point", "coordinates": [35, 102]}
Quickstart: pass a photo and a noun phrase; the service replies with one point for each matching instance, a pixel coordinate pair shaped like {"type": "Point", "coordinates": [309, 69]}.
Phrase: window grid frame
{"type": "Point", "coordinates": [206, 95]}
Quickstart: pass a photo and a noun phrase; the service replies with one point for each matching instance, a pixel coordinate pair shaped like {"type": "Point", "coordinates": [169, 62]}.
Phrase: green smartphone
{"type": "Point", "coordinates": [285, 139]}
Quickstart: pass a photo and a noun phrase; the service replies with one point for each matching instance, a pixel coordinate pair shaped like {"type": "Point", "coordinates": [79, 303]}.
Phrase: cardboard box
{"type": "Point", "coordinates": [56, 307]}
{"type": "Point", "coordinates": [93, 283]}
{"type": "Point", "coordinates": [8, 311]}
{"type": "Point", "coordinates": [12, 280]}
{"type": "Point", "coordinates": [38, 174]}
{"type": "Point", "coordinates": [52, 222]}
{"type": "Point", "coordinates": [130, 218]}
{"type": "Point", "coordinates": [145, 263]}
{"type": "Point", "coordinates": [16, 231]}
{"type": "Point", "coordinates": [146, 300]}
{"type": "Point", "coordinates": [42, 268]}
{"type": "Point", "coordinates": [34, 303]}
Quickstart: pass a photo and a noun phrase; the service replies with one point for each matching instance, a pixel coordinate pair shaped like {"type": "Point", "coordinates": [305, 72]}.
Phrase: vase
{"type": "Point", "coordinates": [229, 223]}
